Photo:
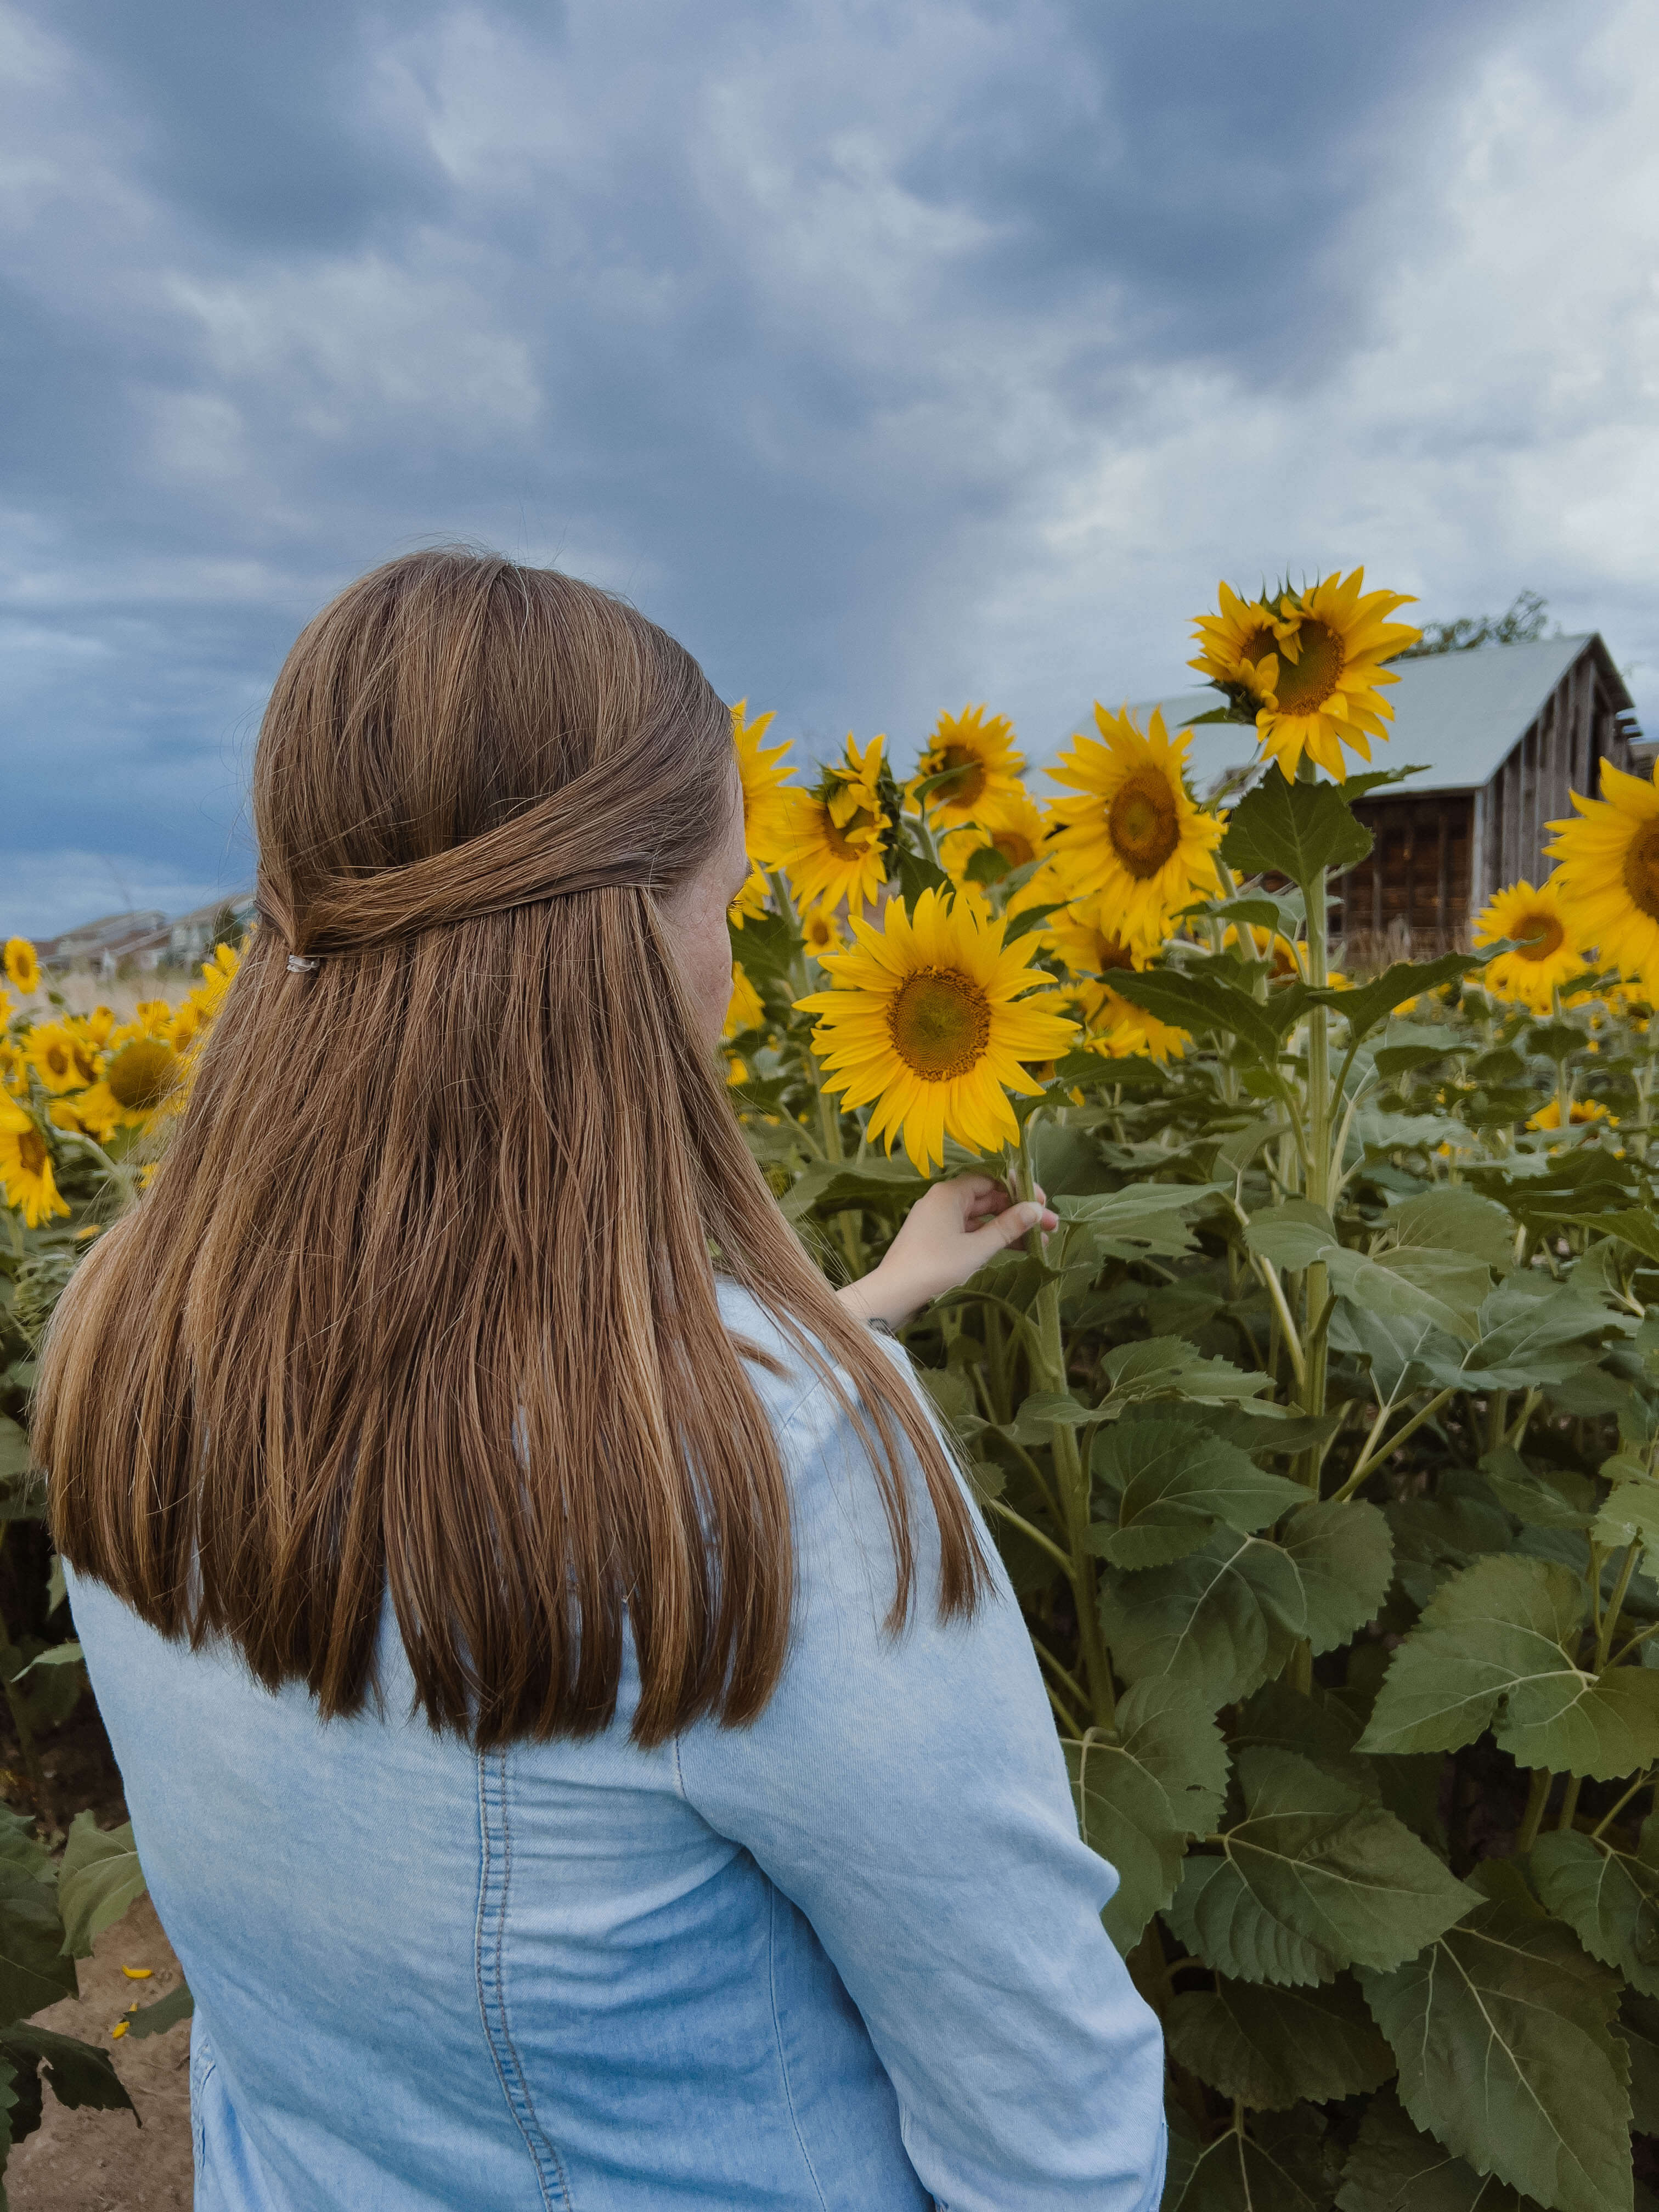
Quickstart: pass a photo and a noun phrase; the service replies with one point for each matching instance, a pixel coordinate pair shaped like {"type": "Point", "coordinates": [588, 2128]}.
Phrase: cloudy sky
{"type": "Point", "coordinates": [893, 353]}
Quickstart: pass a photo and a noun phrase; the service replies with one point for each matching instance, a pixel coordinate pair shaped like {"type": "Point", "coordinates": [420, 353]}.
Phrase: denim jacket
{"type": "Point", "coordinates": [842, 1960]}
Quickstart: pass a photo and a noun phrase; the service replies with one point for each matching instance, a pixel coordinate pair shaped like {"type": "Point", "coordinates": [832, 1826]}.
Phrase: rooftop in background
{"type": "Point", "coordinates": [144, 939]}
{"type": "Point", "coordinates": [1457, 713]}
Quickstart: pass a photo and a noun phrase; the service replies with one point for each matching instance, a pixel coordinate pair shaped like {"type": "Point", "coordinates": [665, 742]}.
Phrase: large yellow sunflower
{"type": "Point", "coordinates": [1134, 838]}
{"type": "Point", "coordinates": [924, 1020]}
{"type": "Point", "coordinates": [978, 765]}
{"type": "Point", "coordinates": [835, 844]}
{"type": "Point", "coordinates": [26, 1175]}
{"type": "Point", "coordinates": [59, 1058]}
{"type": "Point", "coordinates": [1309, 662]}
{"type": "Point", "coordinates": [23, 969]}
{"type": "Point", "coordinates": [1609, 872]}
{"type": "Point", "coordinates": [1082, 935]}
{"type": "Point", "coordinates": [1549, 952]}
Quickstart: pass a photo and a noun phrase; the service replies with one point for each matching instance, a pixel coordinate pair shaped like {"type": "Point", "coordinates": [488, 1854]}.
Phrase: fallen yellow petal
{"type": "Point", "coordinates": [120, 2028]}
{"type": "Point", "coordinates": [138, 1973]}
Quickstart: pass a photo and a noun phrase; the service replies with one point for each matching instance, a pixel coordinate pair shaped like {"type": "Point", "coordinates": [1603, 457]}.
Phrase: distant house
{"type": "Point", "coordinates": [136, 938]}
{"type": "Point", "coordinates": [1502, 734]}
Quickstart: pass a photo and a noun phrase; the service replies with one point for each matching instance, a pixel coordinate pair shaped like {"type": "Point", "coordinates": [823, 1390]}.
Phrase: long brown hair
{"type": "Point", "coordinates": [421, 1299]}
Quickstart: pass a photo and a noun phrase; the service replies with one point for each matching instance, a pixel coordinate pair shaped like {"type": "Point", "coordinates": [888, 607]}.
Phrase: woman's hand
{"type": "Point", "coordinates": [948, 1234]}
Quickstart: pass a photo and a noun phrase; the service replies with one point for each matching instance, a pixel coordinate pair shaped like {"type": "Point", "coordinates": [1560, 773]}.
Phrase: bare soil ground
{"type": "Point", "coordinates": [88, 2161]}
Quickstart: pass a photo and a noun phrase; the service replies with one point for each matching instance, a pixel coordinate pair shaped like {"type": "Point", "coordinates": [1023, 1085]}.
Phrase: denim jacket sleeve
{"type": "Point", "coordinates": [910, 1796]}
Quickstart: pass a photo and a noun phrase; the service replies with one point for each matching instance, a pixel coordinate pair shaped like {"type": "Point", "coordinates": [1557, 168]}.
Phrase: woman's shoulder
{"type": "Point", "coordinates": [789, 1374]}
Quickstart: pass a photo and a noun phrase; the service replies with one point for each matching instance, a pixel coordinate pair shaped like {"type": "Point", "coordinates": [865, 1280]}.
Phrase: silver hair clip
{"type": "Point", "coordinates": [299, 965]}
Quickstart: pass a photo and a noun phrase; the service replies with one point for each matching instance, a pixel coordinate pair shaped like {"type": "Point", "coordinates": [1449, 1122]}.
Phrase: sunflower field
{"type": "Point", "coordinates": [82, 1099]}
{"type": "Point", "coordinates": [1321, 1439]}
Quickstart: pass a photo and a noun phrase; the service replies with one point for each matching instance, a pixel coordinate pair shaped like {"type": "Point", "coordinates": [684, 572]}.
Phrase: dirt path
{"type": "Point", "coordinates": [88, 2162]}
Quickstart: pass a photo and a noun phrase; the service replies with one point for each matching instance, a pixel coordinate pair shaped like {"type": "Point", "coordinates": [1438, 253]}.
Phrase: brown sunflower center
{"type": "Point", "coordinates": [939, 1022]}
{"type": "Point", "coordinates": [1306, 683]}
{"type": "Point", "coordinates": [839, 836]}
{"type": "Point", "coordinates": [1642, 869]}
{"type": "Point", "coordinates": [1542, 934]}
{"type": "Point", "coordinates": [59, 1060]}
{"type": "Point", "coordinates": [1258, 644]}
{"type": "Point", "coordinates": [1111, 952]}
{"type": "Point", "coordinates": [1143, 824]}
{"type": "Point", "coordinates": [1015, 847]}
{"type": "Point", "coordinates": [961, 774]}
{"type": "Point", "coordinates": [141, 1075]}
{"type": "Point", "coordinates": [32, 1152]}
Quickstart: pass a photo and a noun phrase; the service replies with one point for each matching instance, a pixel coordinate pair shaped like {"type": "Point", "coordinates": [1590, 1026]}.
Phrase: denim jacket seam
{"type": "Point", "coordinates": [516, 2091]}
{"type": "Point", "coordinates": [777, 2032]}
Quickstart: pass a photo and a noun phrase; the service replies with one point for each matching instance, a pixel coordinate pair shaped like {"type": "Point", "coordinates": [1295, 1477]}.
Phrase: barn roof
{"type": "Point", "coordinates": [1457, 713]}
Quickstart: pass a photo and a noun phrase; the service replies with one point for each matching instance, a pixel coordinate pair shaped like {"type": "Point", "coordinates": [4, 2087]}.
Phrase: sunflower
{"type": "Point", "coordinates": [924, 1021]}
{"type": "Point", "coordinates": [26, 1175]}
{"type": "Point", "coordinates": [745, 1011]}
{"type": "Point", "coordinates": [1134, 837]}
{"type": "Point", "coordinates": [95, 1112]}
{"type": "Point", "coordinates": [1082, 936]}
{"type": "Point", "coordinates": [139, 1078]}
{"type": "Point", "coordinates": [96, 1026]}
{"type": "Point", "coordinates": [23, 969]}
{"type": "Point", "coordinates": [1017, 833]}
{"type": "Point", "coordinates": [766, 797]}
{"type": "Point", "coordinates": [978, 767]}
{"type": "Point", "coordinates": [185, 1027]}
{"type": "Point", "coordinates": [1582, 1110]}
{"type": "Point", "coordinates": [1609, 872]}
{"type": "Point", "coordinates": [61, 1060]}
{"type": "Point", "coordinates": [218, 973]}
{"type": "Point", "coordinates": [820, 932]}
{"type": "Point", "coordinates": [1307, 665]}
{"type": "Point", "coordinates": [1549, 954]}
{"type": "Point", "coordinates": [839, 832]}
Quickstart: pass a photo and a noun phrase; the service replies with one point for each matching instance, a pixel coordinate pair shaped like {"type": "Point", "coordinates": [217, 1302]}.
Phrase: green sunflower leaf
{"type": "Point", "coordinates": [1142, 1789]}
{"type": "Point", "coordinates": [1609, 1897]}
{"type": "Point", "coordinates": [1366, 1004]}
{"type": "Point", "coordinates": [1496, 1647]}
{"type": "Point", "coordinates": [1315, 1877]}
{"type": "Point", "coordinates": [1293, 1235]}
{"type": "Point", "coordinates": [100, 1878]}
{"type": "Point", "coordinates": [1271, 2047]}
{"type": "Point", "coordinates": [1172, 1484]}
{"type": "Point", "coordinates": [1294, 829]}
{"type": "Point", "coordinates": [1503, 2029]}
{"type": "Point", "coordinates": [1233, 2173]}
{"type": "Point", "coordinates": [33, 1970]}
{"type": "Point", "coordinates": [1344, 1555]}
{"type": "Point", "coordinates": [1200, 1004]}
{"type": "Point", "coordinates": [1219, 1622]}
{"type": "Point", "coordinates": [1394, 2168]}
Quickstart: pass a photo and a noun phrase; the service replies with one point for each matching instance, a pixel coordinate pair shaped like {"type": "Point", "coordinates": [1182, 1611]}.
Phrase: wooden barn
{"type": "Point", "coordinates": [1502, 734]}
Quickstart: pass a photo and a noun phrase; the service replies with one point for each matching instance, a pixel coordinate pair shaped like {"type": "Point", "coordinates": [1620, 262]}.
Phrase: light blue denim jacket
{"type": "Point", "coordinates": [839, 1960]}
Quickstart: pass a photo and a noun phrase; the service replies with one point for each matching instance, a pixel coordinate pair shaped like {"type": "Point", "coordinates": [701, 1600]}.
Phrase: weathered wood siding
{"type": "Point", "coordinates": [1412, 894]}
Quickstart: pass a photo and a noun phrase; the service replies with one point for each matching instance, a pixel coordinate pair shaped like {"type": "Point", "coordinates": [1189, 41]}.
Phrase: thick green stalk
{"type": "Point", "coordinates": [1537, 1798]}
{"type": "Point", "coordinates": [1072, 1477]}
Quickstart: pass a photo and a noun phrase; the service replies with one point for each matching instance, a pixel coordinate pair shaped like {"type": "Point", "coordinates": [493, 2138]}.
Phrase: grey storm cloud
{"type": "Point", "coordinates": [890, 355]}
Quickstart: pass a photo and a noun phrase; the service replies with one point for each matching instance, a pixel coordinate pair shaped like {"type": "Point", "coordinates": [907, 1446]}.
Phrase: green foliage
{"type": "Point", "coordinates": [1504, 2031]}
{"type": "Point", "coordinates": [100, 1878]}
{"type": "Point", "coordinates": [47, 1916]}
{"type": "Point", "coordinates": [1323, 1443]}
